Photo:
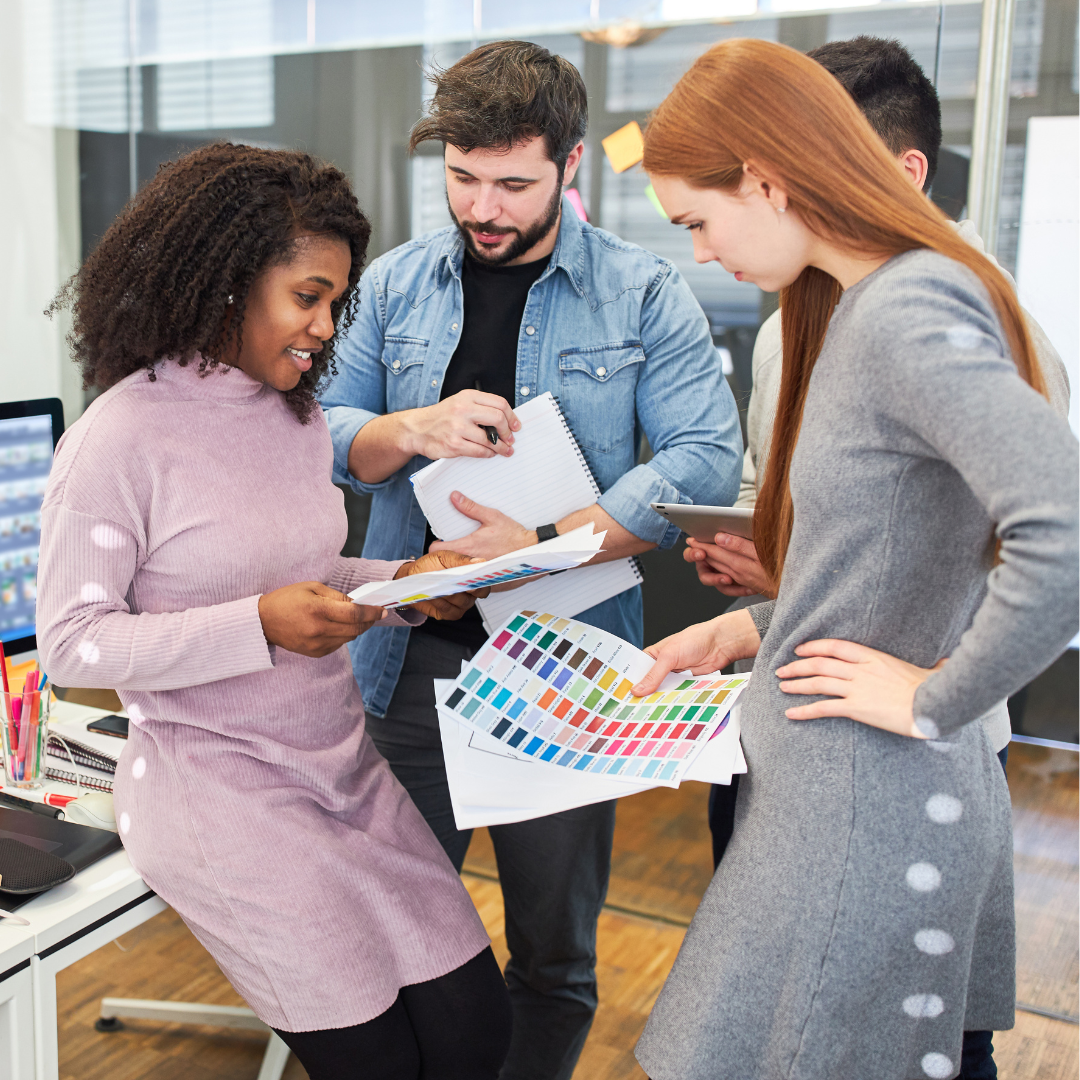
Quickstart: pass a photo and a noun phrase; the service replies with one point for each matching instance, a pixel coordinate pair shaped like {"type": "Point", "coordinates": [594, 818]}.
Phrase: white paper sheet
{"type": "Point", "coordinates": [571, 549]}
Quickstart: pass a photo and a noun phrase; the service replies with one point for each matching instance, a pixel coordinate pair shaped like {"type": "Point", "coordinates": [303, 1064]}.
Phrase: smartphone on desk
{"type": "Point", "coordinates": [704, 522]}
{"type": "Point", "coordinates": [110, 725]}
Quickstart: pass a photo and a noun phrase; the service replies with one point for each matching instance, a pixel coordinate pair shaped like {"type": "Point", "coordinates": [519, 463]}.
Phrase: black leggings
{"type": "Point", "coordinates": [455, 1027]}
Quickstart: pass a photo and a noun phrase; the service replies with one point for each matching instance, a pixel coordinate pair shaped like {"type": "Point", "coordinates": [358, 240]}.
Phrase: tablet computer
{"type": "Point", "coordinates": [704, 522]}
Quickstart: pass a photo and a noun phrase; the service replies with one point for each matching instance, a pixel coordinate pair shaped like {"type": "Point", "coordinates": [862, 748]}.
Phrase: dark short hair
{"type": "Point", "coordinates": [186, 250]}
{"type": "Point", "coordinates": [502, 94]}
{"type": "Point", "coordinates": [892, 91]}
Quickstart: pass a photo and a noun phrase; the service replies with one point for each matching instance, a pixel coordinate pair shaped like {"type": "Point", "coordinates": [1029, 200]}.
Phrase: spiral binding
{"type": "Point", "coordinates": [634, 561]}
{"type": "Point", "coordinates": [577, 449]}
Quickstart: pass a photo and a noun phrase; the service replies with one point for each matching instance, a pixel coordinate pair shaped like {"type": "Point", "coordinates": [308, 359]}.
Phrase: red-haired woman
{"type": "Point", "coordinates": [862, 919]}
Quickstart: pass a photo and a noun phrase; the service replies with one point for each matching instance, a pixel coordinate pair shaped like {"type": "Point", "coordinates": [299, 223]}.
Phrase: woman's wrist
{"type": "Point", "coordinates": [739, 635]}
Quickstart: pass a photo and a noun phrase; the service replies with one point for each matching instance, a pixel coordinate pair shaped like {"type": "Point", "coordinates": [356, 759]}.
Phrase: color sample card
{"type": "Point", "coordinates": [558, 691]}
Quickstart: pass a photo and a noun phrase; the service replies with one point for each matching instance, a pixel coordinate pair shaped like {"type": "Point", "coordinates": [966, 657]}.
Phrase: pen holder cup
{"type": "Point", "coordinates": [24, 739]}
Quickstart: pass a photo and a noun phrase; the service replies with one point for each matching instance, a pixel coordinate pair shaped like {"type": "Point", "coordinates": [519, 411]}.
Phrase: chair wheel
{"type": "Point", "coordinates": [108, 1023]}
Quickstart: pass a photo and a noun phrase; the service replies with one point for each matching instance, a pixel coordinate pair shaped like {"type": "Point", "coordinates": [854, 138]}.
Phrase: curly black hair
{"type": "Point", "coordinates": [193, 240]}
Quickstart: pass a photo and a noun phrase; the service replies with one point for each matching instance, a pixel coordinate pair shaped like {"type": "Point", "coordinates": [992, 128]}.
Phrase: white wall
{"type": "Point", "coordinates": [39, 235]}
{"type": "Point", "coordinates": [1048, 255]}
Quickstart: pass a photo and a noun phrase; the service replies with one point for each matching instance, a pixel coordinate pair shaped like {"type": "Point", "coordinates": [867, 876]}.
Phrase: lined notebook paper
{"type": "Point", "coordinates": [546, 478]}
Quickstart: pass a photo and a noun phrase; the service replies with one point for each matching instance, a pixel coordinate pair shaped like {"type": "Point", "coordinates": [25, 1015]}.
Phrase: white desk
{"type": "Point", "coordinates": [96, 906]}
{"type": "Point", "coordinates": [67, 923]}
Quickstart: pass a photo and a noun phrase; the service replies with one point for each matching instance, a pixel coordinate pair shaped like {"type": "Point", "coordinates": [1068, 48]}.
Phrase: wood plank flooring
{"type": "Point", "coordinates": [660, 868]}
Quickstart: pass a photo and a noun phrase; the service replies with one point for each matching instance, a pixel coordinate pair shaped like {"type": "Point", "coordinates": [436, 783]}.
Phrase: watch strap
{"type": "Point", "coordinates": [546, 532]}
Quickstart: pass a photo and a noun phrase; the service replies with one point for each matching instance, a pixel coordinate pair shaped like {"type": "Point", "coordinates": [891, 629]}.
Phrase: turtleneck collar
{"type": "Point", "coordinates": [221, 382]}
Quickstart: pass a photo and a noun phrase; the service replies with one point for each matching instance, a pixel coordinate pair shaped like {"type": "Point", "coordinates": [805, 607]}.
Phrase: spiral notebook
{"type": "Point", "coordinates": [546, 478]}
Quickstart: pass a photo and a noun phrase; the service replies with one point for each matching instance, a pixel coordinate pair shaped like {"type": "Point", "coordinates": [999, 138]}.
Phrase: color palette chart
{"type": "Point", "coordinates": [559, 691]}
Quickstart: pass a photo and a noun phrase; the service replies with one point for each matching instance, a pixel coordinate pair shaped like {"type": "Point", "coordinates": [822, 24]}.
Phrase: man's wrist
{"type": "Point", "coordinates": [544, 533]}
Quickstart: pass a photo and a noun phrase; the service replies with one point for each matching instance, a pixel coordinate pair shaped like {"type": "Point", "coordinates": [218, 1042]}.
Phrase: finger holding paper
{"type": "Point", "coordinates": [702, 648]}
{"type": "Point", "coordinates": [444, 608]}
{"type": "Point", "coordinates": [497, 534]}
{"type": "Point", "coordinates": [312, 619]}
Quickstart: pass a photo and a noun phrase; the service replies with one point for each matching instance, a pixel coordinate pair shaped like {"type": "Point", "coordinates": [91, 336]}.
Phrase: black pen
{"type": "Point", "coordinates": [25, 804]}
{"type": "Point", "coordinates": [492, 433]}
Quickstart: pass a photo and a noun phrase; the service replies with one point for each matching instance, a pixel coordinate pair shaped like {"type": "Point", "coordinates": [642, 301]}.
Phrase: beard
{"type": "Point", "coordinates": [524, 239]}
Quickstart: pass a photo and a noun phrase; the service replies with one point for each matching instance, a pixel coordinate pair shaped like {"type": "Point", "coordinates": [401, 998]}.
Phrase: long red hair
{"type": "Point", "coordinates": [751, 101]}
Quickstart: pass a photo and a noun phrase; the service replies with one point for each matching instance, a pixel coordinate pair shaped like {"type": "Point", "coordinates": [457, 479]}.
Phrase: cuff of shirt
{"type": "Point", "coordinates": [344, 423]}
{"type": "Point", "coordinates": [628, 500]}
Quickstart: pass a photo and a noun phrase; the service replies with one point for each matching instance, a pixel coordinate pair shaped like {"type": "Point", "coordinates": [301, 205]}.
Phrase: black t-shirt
{"type": "Point", "coordinates": [485, 359]}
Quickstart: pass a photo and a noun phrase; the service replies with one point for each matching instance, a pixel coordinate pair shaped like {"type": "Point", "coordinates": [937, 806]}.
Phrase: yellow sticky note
{"type": "Point", "coordinates": [625, 147]}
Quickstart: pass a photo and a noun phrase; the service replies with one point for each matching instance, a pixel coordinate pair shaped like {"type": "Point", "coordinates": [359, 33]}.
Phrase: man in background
{"type": "Point", "coordinates": [454, 329]}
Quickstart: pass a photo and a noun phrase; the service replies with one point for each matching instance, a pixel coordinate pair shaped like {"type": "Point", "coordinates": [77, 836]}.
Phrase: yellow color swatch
{"type": "Point", "coordinates": [625, 147]}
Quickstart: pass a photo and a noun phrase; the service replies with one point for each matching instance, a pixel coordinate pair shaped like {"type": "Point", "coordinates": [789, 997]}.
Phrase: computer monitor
{"type": "Point", "coordinates": [29, 432]}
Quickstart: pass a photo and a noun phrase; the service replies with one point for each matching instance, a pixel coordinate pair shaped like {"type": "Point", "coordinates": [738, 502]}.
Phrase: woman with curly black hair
{"type": "Point", "coordinates": [190, 541]}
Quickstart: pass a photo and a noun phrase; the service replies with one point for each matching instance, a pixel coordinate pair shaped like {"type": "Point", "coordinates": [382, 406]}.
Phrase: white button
{"type": "Point", "coordinates": [434, 382]}
{"type": "Point", "coordinates": [601, 371]}
{"type": "Point", "coordinates": [396, 364]}
{"type": "Point", "coordinates": [524, 391]}
{"type": "Point", "coordinates": [453, 326]}
{"type": "Point", "coordinates": [530, 330]}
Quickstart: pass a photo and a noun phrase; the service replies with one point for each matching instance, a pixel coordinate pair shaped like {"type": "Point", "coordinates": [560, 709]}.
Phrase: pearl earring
{"type": "Point", "coordinates": [229, 301]}
{"type": "Point", "coordinates": [779, 210]}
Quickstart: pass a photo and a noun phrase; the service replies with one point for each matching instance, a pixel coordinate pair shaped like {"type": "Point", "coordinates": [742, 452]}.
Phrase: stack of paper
{"type": "Point", "coordinates": [570, 549]}
{"type": "Point", "coordinates": [542, 720]}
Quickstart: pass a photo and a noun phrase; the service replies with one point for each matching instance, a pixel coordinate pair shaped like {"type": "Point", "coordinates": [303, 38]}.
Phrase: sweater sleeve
{"type": "Point", "coordinates": [762, 616]}
{"type": "Point", "coordinates": [945, 375]}
{"type": "Point", "coordinates": [88, 636]}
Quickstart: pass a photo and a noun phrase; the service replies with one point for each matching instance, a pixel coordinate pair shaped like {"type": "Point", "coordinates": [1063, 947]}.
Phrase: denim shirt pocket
{"type": "Point", "coordinates": [403, 358]}
{"type": "Point", "coordinates": [597, 388]}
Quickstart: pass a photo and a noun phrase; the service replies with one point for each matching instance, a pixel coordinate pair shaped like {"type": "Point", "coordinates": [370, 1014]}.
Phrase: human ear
{"type": "Point", "coordinates": [915, 167]}
{"type": "Point", "coordinates": [572, 162]}
{"type": "Point", "coordinates": [755, 181]}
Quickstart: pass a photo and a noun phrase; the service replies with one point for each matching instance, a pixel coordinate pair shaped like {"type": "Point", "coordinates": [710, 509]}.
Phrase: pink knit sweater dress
{"type": "Point", "coordinates": [248, 794]}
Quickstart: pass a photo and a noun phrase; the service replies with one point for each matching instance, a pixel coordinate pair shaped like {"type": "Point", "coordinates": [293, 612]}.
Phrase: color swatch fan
{"type": "Point", "coordinates": [558, 692]}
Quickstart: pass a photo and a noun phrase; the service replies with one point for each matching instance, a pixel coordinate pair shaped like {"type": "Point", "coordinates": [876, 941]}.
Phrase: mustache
{"type": "Point", "coordinates": [490, 228]}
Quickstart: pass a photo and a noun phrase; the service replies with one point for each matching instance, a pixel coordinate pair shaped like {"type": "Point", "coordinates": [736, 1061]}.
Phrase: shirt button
{"type": "Point", "coordinates": [601, 371]}
{"type": "Point", "coordinates": [530, 330]}
{"type": "Point", "coordinates": [434, 382]}
{"type": "Point", "coordinates": [453, 326]}
{"type": "Point", "coordinates": [396, 364]}
{"type": "Point", "coordinates": [524, 391]}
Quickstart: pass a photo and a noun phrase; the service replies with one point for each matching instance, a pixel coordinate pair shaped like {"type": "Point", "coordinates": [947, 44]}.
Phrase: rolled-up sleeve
{"type": "Point", "coordinates": [357, 393]}
{"type": "Point", "coordinates": [687, 412]}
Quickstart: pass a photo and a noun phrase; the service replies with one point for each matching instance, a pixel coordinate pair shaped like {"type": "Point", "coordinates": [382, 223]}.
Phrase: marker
{"type": "Point", "coordinates": [54, 798]}
{"type": "Point", "coordinates": [492, 433]}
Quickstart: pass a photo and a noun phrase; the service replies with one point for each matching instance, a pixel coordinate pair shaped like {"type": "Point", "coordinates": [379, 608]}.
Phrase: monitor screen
{"type": "Point", "coordinates": [26, 453]}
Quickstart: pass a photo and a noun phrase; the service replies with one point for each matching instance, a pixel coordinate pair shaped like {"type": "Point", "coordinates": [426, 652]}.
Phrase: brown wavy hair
{"type": "Point", "coordinates": [755, 102]}
{"type": "Point", "coordinates": [191, 243]}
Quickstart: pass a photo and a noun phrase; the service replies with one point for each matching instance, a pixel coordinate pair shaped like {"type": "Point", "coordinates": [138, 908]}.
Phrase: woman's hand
{"type": "Point", "coordinates": [312, 619]}
{"type": "Point", "coordinates": [701, 649]}
{"type": "Point", "coordinates": [443, 607]}
{"type": "Point", "coordinates": [730, 565]}
{"type": "Point", "coordinates": [863, 684]}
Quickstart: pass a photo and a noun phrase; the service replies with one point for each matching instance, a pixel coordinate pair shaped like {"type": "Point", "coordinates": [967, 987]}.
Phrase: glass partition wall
{"type": "Point", "coordinates": [143, 80]}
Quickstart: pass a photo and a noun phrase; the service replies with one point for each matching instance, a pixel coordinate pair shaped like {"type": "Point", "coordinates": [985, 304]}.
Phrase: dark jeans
{"type": "Point", "coordinates": [977, 1057]}
{"type": "Point", "coordinates": [553, 872]}
{"type": "Point", "coordinates": [455, 1027]}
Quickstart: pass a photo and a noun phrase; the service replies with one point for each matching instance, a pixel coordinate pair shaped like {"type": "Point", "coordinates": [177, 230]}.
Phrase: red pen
{"type": "Point", "coordinates": [54, 798]}
{"type": "Point", "coordinates": [3, 669]}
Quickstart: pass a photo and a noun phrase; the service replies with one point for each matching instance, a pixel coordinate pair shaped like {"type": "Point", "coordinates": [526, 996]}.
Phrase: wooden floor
{"type": "Point", "coordinates": [660, 868]}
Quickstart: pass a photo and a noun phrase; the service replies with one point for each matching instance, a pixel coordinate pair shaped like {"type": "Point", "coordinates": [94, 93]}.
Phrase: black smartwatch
{"type": "Point", "coordinates": [546, 532]}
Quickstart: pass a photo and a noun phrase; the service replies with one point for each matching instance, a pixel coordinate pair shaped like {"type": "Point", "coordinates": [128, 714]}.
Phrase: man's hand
{"type": "Point", "coordinates": [312, 619]}
{"type": "Point", "coordinates": [446, 608]}
{"type": "Point", "coordinates": [455, 427]}
{"type": "Point", "coordinates": [730, 565]}
{"type": "Point", "coordinates": [496, 536]}
{"type": "Point", "coordinates": [863, 684]}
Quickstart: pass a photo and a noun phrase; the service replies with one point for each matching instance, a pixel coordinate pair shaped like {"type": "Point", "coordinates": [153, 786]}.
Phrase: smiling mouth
{"type": "Point", "coordinates": [301, 357]}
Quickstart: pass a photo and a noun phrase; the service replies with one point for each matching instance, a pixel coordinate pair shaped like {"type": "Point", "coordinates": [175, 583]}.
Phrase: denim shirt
{"type": "Point", "coordinates": [610, 329]}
